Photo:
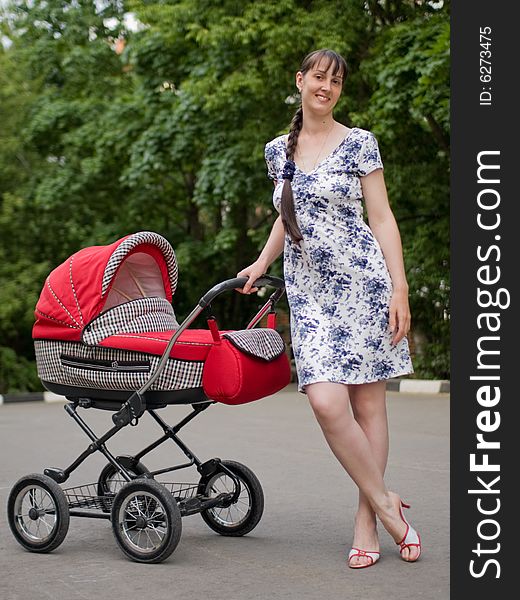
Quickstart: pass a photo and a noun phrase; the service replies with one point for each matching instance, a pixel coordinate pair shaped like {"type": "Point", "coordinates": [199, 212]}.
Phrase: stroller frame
{"type": "Point", "coordinates": [125, 465]}
{"type": "Point", "coordinates": [136, 501]}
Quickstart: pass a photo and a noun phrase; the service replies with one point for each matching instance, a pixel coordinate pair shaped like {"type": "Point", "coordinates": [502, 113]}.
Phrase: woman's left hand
{"type": "Point", "coordinates": [399, 318]}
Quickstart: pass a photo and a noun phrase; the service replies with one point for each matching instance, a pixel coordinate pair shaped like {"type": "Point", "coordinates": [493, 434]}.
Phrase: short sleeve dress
{"type": "Point", "coordinates": [337, 282]}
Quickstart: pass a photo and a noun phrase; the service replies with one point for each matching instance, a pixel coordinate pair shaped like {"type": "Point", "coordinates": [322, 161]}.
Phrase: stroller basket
{"type": "Point", "coordinates": [87, 497]}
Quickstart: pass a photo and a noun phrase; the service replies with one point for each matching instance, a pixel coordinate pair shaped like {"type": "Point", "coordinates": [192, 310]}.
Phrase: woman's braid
{"type": "Point", "coordinates": [294, 132]}
{"type": "Point", "coordinates": [287, 201]}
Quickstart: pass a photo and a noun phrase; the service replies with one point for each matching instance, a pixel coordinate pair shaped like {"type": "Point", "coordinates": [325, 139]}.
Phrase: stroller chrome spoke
{"type": "Point", "coordinates": [138, 536]}
{"type": "Point", "coordinates": [130, 514]}
{"type": "Point", "coordinates": [49, 527]}
{"type": "Point", "coordinates": [159, 530]}
{"type": "Point", "coordinates": [156, 513]}
{"type": "Point", "coordinates": [240, 510]}
{"type": "Point", "coordinates": [137, 506]}
{"type": "Point", "coordinates": [152, 544]}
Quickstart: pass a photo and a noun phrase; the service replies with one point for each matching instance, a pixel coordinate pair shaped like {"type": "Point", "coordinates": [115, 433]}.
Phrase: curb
{"type": "Point", "coordinates": [419, 386]}
{"type": "Point", "coordinates": [411, 386]}
{"type": "Point", "coordinates": [31, 397]}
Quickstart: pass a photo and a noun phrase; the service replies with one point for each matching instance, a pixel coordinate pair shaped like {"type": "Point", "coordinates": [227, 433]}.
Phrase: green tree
{"type": "Point", "coordinates": [407, 70]}
{"type": "Point", "coordinates": [168, 135]}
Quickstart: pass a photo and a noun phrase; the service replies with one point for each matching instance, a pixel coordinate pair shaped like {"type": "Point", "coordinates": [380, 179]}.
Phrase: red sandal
{"type": "Point", "coordinates": [410, 538]}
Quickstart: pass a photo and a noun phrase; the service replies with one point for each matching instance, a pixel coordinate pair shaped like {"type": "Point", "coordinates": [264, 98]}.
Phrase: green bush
{"type": "Point", "coordinates": [17, 374]}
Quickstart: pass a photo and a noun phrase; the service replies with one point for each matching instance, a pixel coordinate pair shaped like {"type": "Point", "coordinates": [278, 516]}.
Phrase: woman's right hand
{"type": "Point", "coordinates": [253, 272]}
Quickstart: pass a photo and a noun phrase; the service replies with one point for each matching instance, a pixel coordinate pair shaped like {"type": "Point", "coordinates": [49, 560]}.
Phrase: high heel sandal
{"type": "Point", "coordinates": [410, 538]}
{"type": "Point", "coordinates": [373, 556]}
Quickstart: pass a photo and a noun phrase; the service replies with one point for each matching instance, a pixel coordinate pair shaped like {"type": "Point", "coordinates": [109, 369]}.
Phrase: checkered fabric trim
{"type": "Point", "coordinates": [266, 344]}
{"type": "Point", "coordinates": [111, 368]}
{"type": "Point", "coordinates": [144, 237]}
{"type": "Point", "coordinates": [136, 316]}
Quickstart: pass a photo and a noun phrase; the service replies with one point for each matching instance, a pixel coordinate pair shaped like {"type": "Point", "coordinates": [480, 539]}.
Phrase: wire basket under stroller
{"type": "Point", "coordinates": [106, 337]}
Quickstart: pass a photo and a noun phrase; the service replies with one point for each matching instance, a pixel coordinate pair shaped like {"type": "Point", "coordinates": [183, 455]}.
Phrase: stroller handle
{"type": "Point", "coordinates": [239, 282]}
{"type": "Point", "coordinates": [134, 406]}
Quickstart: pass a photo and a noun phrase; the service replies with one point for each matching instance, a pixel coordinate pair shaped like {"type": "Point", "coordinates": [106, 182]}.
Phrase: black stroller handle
{"type": "Point", "coordinates": [239, 282]}
{"type": "Point", "coordinates": [133, 408]}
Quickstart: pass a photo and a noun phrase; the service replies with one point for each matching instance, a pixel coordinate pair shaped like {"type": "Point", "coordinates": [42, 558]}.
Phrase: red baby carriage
{"type": "Point", "coordinates": [106, 337]}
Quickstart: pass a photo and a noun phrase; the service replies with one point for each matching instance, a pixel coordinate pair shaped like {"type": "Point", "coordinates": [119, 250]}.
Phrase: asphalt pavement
{"type": "Point", "coordinates": [299, 548]}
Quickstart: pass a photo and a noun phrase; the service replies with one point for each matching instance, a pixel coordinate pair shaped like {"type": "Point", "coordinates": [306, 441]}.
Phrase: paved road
{"type": "Point", "coordinates": [298, 549]}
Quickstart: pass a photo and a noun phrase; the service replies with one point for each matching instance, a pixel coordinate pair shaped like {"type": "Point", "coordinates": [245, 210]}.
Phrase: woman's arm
{"type": "Point", "coordinates": [271, 251]}
{"type": "Point", "coordinates": [384, 227]}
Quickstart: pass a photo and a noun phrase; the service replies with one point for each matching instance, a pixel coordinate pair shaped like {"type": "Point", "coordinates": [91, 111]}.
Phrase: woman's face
{"type": "Point", "coordinates": [320, 88]}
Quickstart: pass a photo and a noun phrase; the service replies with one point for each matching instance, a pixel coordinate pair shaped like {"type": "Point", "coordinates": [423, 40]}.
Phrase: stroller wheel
{"type": "Point", "coordinates": [146, 521]}
{"type": "Point", "coordinates": [244, 514]}
{"type": "Point", "coordinates": [38, 513]}
{"type": "Point", "coordinates": [110, 480]}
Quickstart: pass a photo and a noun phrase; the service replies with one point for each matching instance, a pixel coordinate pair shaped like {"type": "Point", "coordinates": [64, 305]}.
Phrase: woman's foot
{"type": "Point", "coordinates": [398, 527]}
{"type": "Point", "coordinates": [357, 553]}
{"type": "Point", "coordinates": [365, 547]}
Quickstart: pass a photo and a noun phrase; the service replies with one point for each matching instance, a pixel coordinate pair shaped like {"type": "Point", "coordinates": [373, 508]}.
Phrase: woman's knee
{"type": "Point", "coordinates": [368, 401]}
{"type": "Point", "coordinates": [328, 407]}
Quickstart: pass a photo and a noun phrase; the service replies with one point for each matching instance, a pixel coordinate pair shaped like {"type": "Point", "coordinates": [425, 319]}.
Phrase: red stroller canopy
{"type": "Point", "coordinates": [100, 277]}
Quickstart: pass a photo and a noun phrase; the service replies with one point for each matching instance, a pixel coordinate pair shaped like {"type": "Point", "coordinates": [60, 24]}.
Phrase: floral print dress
{"type": "Point", "coordinates": [338, 285]}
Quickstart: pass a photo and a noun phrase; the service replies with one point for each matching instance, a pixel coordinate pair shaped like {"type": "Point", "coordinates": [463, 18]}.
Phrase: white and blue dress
{"type": "Point", "coordinates": [338, 285]}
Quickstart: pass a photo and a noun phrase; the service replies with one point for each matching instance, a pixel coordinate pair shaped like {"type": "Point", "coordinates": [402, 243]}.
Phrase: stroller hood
{"type": "Point", "coordinates": [98, 278]}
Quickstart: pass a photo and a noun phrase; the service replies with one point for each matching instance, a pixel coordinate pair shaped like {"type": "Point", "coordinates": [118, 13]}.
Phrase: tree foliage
{"type": "Point", "coordinates": [110, 128]}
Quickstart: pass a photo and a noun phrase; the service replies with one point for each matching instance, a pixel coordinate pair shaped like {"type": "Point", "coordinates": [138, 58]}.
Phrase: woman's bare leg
{"type": "Point", "coordinates": [349, 443]}
{"type": "Point", "coordinates": [368, 403]}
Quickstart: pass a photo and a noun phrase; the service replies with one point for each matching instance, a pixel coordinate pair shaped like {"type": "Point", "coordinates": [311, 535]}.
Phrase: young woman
{"type": "Point", "coordinates": [346, 288]}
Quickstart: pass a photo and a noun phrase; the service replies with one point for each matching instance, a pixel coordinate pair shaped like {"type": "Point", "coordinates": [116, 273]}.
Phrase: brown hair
{"type": "Point", "coordinates": [287, 201]}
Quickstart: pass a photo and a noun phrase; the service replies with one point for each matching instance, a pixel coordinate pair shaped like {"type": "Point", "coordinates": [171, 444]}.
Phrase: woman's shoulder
{"type": "Point", "coordinates": [366, 150]}
{"type": "Point", "coordinates": [278, 142]}
{"type": "Point", "coordinates": [275, 149]}
{"type": "Point", "coordinates": [362, 134]}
